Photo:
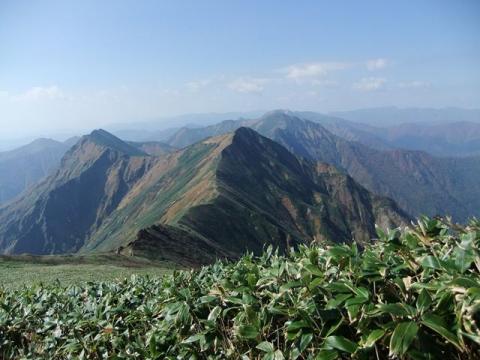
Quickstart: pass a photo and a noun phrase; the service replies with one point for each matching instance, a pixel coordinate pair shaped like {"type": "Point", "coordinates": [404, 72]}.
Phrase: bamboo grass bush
{"type": "Point", "coordinates": [411, 294]}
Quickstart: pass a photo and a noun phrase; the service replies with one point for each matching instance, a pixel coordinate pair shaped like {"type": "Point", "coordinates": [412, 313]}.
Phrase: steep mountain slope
{"type": "Point", "coordinates": [187, 135]}
{"type": "Point", "coordinates": [418, 182]}
{"type": "Point", "coordinates": [240, 191]}
{"type": "Point", "coordinates": [216, 198]}
{"type": "Point", "coordinates": [154, 148]}
{"type": "Point", "coordinates": [393, 116]}
{"type": "Point", "coordinates": [58, 215]}
{"type": "Point", "coordinates": [143, 134]}
{"type": "Point", "coordinates": [71, 141]}
{"type": "Point", "coordinates": [160, 129]}
{"type": "Point", "coordinates": [349, 130]}
{"type": "Point", "coordinates": [440, 139]}
{"type": "Point", "coordinates": [22, 167]}
{"type": "Point", "coordinates": [451, 139]}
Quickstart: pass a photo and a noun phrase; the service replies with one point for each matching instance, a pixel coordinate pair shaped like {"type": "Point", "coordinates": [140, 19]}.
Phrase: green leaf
{"type": "Point", "coordinates": [402, 337]}
{"type": "Point", "coordinates": [327, 355]}
{"type": "Point", "coordinates": [207, 299]}
{"type": "Point", "coordinates": [353, 311]}
{"type": "Point", "coordinates": [152, 346]}
{"type": "Point", "coordinates": [380, 233]}
{"type": "Point", "coordinates": [247, 331]}
{"type": "Point", "coordinates": [334, 327]}
{"type": "Point", "coordinates": [314, 270]}
{"type": "Point", "coordinates": [362, 292]}
{"type": "Point", "coordinates": [294, 353]}
{"type": "Point", "coordinates": [398, 309]}
{"type": "Point", "coordinates": [339, 252]}
{"type": "Point", "coordinates": [277, 310]}
{"type": "Point", "coordinates": [193, 339]}
{"type": "Point", "coordinates": [431, 262]}
{"type": "Point", "coordinates": [296, 325]}
{"type": "Point", "coordinates": [337, 301]}
{"type": "Point", "coordinates": [265, 346]}
{"type": "Point", "coordinates": [234, 300]}
{"type": "Point", "coordinates": [338, 287]}
{"type": "Point", "coordinates": [356, 301]}
{"type": "Point", "coordinates": [268, 356]}
{"type": "Point", "coordinates": [278, 355]}
{"type": "Point", "coordinates": [341, 343]}
{"type": "Point", "coordinates": [214, 313]}
{"type": "Point", "coordinates": [305, 340]}
{"type": "Point", "coordinates": [437, 324]}
{"type": "Point", "coordinates": [315, 283]}
{"type": "Point", "coordinates": [465, 254]}
{"type": "Point", "coordinates": [290, 285]}
{"type": "Point", "coordinates": [464, 282]}
{"type": "Point", "coordinates": [472, 337]}
{"type": "Point", "coordinates": [424, 300]}
{"type": "Point", "coordinates": [373, 337]}
{"type": "Point", "coordinates": [251, 280]}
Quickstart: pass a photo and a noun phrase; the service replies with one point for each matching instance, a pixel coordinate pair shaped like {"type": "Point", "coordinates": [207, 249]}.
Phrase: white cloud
{"type": "Point", "coordinates": [376, 64]}
{"type": "Point", "coordinates": [413, 84]}
{"type": "Point", "coordinates": [170, 92]}
{"type": "Point", "coordinates": [325, 83]}
{"type": "Point", "coordinates": [312, 70]}
{"type": "Point", "coordinates": [195, 86]}
{"type": "Point", "coordinates": [370, 84]}
{"type": "Point", "coordinates": [248, 85]}
{"type": "Point", "coordinates": [38, 93]}
{"type": "Point", "coordinates": [109, 94]}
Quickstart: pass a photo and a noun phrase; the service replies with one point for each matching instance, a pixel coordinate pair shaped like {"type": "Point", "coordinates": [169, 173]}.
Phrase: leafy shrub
{"type": "Point", "coordinates": [412, 294]}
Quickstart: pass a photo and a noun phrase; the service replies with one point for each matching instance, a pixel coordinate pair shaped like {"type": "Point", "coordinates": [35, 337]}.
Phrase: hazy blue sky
{"type": "Point", "coordinates": [80, 64]}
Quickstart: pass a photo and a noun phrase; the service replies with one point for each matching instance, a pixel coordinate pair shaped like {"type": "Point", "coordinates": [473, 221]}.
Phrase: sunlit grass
{"type": "Point", "coordinates": [21, 271]}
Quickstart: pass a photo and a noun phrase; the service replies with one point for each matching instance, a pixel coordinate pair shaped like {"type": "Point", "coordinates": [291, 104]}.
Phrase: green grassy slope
{"type": "Point", "coordinates": [165, 185]}
{"type": "Point", "coordinates": [24, 270]}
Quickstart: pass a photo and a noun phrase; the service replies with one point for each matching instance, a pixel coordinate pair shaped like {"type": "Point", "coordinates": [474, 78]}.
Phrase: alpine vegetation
{"type": "Point", "coordinates": [413, 293]}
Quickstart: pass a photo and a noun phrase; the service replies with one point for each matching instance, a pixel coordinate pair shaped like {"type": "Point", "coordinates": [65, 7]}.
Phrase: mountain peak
{"type": "Point", "coordinates": [246, 131]}
{"type": "Point", "coordinates": [108, 140]}
{"type": "Point", "coordinates": [100, 133]}
{"type": "Point", "coordinates": [249, 138]}
{"type": "Point", "coordinates": [280, 111]}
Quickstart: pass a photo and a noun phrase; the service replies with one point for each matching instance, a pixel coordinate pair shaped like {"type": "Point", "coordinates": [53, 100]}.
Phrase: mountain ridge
{"type": "Point", "coordinates": [419, 182]}
{"type": "Point", "coordinates": [91, 177]}
{"type": "Point", "coordinates": [234, 195]}
{"type": "Point", "coordinates": [219, 197]}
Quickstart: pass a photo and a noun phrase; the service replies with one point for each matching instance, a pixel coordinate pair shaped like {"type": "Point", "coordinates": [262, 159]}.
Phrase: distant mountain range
{"type": "Point", "coordinates": [161, 128]}
{"type": "Point", "coordinates": [216, 198]}
{"type": "Point", "coordinates": [393, 116]}
{"type": "Point", "coordinates": [459, 138]}
{"type": "Point", "coordinates": [25, 166]}
{"type": "Point", "coordinates": [441, 132]}
{"type": "Point", "coordinates": [155, 148]}
{"type": "Point", "coordinates": [215, 191]}
{"type": "Point", "coordinates": [419, 182]}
